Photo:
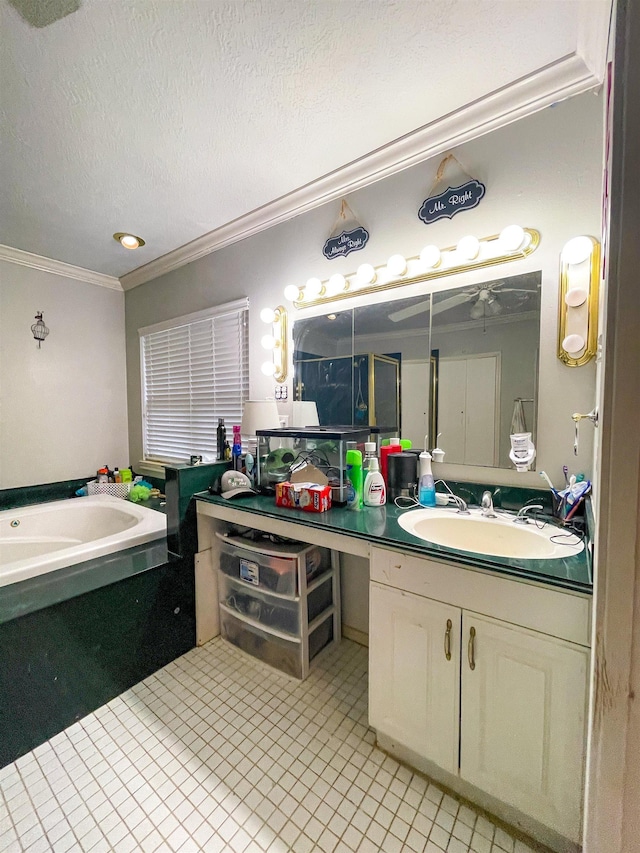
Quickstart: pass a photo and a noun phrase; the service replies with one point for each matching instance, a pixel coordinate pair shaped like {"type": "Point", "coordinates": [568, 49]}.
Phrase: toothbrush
{"type": "Point", "coordinates": [545, 476]}
{"type": "Point", "coordinates": [565, 471]}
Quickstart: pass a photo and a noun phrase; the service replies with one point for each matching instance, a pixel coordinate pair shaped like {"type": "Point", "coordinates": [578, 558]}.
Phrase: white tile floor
{"type": "Point", "coordinates": [217, 752]}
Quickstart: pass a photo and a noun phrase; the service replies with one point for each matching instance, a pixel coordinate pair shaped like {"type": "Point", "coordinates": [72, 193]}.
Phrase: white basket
{"type": "Point", "coordinates": [117, 490]}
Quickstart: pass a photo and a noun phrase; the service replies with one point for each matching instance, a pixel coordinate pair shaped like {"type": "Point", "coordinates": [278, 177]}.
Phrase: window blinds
{"type": "Point", "coordinates": [192, 374]}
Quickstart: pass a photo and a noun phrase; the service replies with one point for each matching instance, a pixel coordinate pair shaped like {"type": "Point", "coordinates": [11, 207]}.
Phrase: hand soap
{"type": "Point", "coordinates": [426, 484]}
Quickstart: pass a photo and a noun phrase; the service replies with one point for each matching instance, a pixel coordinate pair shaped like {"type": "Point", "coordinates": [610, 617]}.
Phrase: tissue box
{"type": "Point", "coordinates": [306, 496]}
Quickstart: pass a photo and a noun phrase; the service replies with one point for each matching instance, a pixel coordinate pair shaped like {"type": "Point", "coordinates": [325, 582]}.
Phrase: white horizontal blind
{"type": "Point", "coordinates": [193, 373]}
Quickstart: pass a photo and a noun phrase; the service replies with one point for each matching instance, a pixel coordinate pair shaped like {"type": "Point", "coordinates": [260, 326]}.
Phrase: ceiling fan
{"type": "Point", "coordinates": [483, 296]}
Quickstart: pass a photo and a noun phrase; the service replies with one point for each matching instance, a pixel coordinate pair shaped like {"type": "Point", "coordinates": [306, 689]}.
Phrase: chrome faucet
{"type": "Point", "coordinates": [487, 505]}
{"type": "Point", "coordinates": [522, 516]}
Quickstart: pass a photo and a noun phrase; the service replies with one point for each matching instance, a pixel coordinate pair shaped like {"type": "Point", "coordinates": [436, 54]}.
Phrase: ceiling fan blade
{"type": "Point", "coordinates": [453, 301]}
{"type": "Point", "coordinates": [411, 311]}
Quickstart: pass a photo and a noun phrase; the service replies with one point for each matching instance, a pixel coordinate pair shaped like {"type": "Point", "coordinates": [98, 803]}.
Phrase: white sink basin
{"type": "Point", "coordinates": [498, 537]}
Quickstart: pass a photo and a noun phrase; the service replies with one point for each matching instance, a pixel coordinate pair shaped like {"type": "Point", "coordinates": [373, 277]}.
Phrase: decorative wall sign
{"type": "Point", "coordinates": [446, 204]}
{"type": "Point", "coordinates": [347, 235]}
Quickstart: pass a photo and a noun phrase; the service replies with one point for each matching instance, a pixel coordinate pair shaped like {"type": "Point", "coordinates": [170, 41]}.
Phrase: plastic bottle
{"type": "Point", "coordinates": [236, 450]}
{"type": "Point", "coordinates": [394, 446]}
{"type": "Point", "coordinates": [354, 479]}
{"type": "Point", "coordinates": [103, 475]}
{"type": "Point", "coordinates": [117, 477]}
{"type": "Point", "coordinates": [375, 492]}
{"type": "Point", "coordinates": [227, 452]}
{"type": "Point", "coordinates": [369, 455]}
{"type": "Point", "coordinates": [221, 437]}
{"type": "Point", "coordinates": [426, 484]}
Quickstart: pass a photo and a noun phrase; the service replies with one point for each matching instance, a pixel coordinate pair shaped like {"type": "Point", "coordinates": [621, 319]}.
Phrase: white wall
{"type": "Point", "coordinates": [63, 407]}
{"type": "Point", "coordinates": [542, 172]}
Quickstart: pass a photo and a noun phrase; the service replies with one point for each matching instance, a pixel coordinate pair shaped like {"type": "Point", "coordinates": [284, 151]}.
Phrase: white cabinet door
{"type": "Point", "coordinates": [414, 668]}
{"type": "Point", "coordinates": [523, 719]}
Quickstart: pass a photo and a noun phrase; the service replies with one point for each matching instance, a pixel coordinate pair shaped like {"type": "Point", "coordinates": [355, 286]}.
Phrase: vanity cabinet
{"type": "Point", "coordinates": [485, 678]}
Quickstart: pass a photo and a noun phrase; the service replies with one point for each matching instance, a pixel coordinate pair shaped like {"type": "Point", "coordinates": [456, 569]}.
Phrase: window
{"type": "Point", "coordinates": [195, 369]}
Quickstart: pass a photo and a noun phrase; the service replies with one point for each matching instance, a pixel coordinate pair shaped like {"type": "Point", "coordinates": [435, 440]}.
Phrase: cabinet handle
{"type": "Point", "coordinates": [447, 640]}
{"type": "Point", "coordinates": [470, 648]}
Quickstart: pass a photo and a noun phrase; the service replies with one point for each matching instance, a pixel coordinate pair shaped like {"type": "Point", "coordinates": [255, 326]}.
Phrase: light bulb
{"type": "Point", "coordinates": [573, 344]}
{"type": "Point", "coordinates": [430, 256]}
{"type": "Point", "coordinates": [336, 284]}
{"type": "Point", "coordinates": [268, 368]}
{"type": "Point", "coordinates": [577, 250]}
{"type": "Point", "coordinates": [313, 288]}
{"type": "Point", "coordinates": [469, 247]}
{"type": "Point", "coordinates": [292, 292]}
{"type": "Point", "coordinates": [267, 315]}
{"type": "Point", "coordinates": [268, 341]}
{"type": "Point", "coordinates": [366, 274]}
{"type": "Point", "coordinates": [512, 238]}
{"type": "Point", "coordinates": [397, 265]}
{"type": "Point", "coordinates": [575, 297]}
{"type": "Point", "coordinates": [129, 241]}
{"type": "Point", "coordinates": [477, 310]}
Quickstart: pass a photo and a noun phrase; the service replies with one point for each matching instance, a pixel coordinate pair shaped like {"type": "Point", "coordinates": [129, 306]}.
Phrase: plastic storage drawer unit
{"type": "Point", "coordinates": [279, 602]}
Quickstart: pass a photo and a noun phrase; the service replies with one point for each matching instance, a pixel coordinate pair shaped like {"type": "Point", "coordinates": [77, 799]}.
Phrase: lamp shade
{"type": "Point", "coordinates": [304, 413]}
{"type": "Point", "coordinates": [259, 414]}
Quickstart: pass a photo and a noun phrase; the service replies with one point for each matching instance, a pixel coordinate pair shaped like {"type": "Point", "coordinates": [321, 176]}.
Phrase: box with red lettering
{"type": "Point", "coordinates": [306, 496]}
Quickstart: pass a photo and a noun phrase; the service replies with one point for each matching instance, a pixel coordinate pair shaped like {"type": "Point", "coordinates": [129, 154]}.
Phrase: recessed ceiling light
{"type": "Point", "coordinates": [129, 241]}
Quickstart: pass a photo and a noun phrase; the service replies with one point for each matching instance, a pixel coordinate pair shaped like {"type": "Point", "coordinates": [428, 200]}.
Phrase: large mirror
{"type": "Point", "coordinates": [460, 364]}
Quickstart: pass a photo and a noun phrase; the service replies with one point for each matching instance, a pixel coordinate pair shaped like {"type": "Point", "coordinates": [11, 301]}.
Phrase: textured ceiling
{"type": "Point", "coordinates": [170, 118]}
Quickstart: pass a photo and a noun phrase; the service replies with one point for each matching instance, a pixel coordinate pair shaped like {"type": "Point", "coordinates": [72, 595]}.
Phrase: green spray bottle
{"type": "Point", "coordinates": [354, 479]}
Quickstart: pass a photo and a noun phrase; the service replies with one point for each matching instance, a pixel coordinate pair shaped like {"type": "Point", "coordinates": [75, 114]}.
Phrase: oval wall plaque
{"type": "Point", "coordinates": [451, 201]}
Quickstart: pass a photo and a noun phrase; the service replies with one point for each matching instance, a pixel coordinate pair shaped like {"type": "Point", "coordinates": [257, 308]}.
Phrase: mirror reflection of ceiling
{"type": "Point", "coordinates": [499, 298]}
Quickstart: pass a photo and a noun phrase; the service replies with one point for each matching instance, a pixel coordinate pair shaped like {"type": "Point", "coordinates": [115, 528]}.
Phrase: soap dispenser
{"type": "Point", "coordinates": [426, 484]}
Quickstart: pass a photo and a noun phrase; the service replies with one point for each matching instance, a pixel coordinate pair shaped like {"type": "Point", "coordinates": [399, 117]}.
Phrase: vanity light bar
{"type": "Point", "coordinates": [276, 341]}
{"type": "Point", "coordinates": [513, 243]}
{"type": "Point", "coordinates": [578, 304]}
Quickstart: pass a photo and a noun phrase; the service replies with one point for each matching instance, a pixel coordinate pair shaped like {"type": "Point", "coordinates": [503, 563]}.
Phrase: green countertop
{"type": "Point", "coordinates": [379, 526]}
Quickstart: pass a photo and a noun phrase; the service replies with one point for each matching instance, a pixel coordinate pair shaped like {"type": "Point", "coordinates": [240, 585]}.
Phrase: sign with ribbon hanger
{"type": "Point", "coordinates": [347, 235]}
{"type": "Point", "coordinates": [446, 204]}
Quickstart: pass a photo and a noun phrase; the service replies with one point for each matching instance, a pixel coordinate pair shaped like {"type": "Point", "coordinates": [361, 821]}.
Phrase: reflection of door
{"type": "Point", "coordinates": [469, 396]}
{"type": "Point", "coordinates": [415, 402]}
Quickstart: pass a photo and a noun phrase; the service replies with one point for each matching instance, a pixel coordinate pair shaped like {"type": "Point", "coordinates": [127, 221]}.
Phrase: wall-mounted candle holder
{"type": "Point", "coordinates": [578, 315]}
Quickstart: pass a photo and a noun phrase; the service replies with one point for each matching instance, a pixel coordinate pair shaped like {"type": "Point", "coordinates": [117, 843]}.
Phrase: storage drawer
{"type": "Point", "coordinates": [272, 611]}
{"type": "Point", "coordinates": [282, 654]}
{"type": "Point", "coordinates": [269, 566]}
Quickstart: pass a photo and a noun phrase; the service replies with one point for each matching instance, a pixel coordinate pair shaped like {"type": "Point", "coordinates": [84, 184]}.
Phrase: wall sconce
{"type": "Point", "coordinates": [39, 330]}
{"type": "Point", "coordinates": [578, 318]}
{"type": "Point", "coordinates": [513, 243]}
{"type": "Point", "coordinates": [276, 342]}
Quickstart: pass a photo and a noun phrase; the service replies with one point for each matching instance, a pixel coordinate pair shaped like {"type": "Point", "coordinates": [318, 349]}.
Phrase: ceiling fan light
{"type": "Point", "coordinates": [430, 257]}
{"type": "Point", "coordinates": [477, 310]}
{"type": "Point", "coordinates": [494, 306]}
{"type": "Point", "coordinates": [512, 238]}
{"type": "Point", "coordinates": [469, 247]}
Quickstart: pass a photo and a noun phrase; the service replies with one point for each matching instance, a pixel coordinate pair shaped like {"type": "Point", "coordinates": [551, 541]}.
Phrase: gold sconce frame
{"type": "Point", "coordinates": [491, 251]}
{"type": "Point", "coordinates": [279, 345]}
{"type": "Point", "coordinates": [578, 302]}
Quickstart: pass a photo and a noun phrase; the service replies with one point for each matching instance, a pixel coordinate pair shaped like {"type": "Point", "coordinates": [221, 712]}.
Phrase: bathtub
{"type": "Point", "coordinates": [38, 539]}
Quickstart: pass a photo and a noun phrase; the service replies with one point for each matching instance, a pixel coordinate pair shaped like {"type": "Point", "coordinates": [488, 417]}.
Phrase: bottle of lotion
{"type": "Point", "coordinates": [354, 479]}
{"type": "Point", "coordinates": [375, 493]}
{"type": "Point", "coordinates": [426, 484]}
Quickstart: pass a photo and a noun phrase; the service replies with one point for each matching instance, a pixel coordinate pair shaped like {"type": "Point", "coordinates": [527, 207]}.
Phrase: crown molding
{"type": "Point", "coordinates": [38, 262]}
{"type": "Point", "coordinates": [562, 79]}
